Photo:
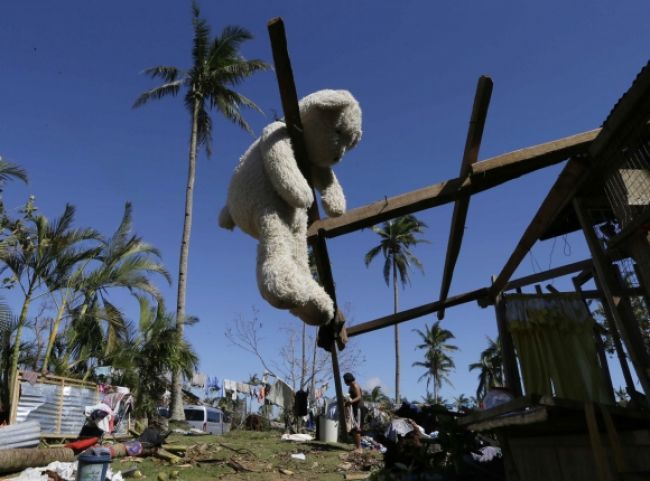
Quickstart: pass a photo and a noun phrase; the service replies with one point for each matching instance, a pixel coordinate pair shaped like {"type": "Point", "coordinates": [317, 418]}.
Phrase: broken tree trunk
{"type": "Point", "coordinates": [15, 460]}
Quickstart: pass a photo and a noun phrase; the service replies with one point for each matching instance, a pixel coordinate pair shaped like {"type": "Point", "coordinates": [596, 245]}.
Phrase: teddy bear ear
{"type": "Point", "coordinates": [329, 99]}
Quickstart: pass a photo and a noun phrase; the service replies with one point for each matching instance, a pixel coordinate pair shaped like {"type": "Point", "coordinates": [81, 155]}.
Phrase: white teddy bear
{"type": "Point", "coordinates": [268, 198]}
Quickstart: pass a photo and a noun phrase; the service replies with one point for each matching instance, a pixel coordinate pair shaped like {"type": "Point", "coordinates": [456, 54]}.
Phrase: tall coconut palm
{"type": "Point", "coordinates": [217, 66]}
{"type": "Point", "coordinates": [39, 249]}
{"type": "Point", "coordinates": [398, 236]}
{"type": "Point", "coordinates": [490, 367]}
{"type": "Point", "coordinates": [125, 261]}
{"type": "Point", "coordinates": [437, 357]}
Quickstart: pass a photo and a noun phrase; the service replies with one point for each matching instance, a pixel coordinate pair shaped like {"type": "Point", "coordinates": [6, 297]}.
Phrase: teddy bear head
{"type": "Point", "coordinates": [331, 121]}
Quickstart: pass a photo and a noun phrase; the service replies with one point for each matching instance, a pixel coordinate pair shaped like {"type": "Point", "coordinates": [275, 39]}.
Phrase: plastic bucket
{"type": "Point", "coordinates": [93, 464]}
{"type": "Point", "coordinates": [328, 430]}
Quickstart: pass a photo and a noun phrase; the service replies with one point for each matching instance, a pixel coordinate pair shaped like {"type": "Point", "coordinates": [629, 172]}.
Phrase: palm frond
{"type": "Point", "coordinates": [156, 93]}
{"type": "Point", "coordinates": [9, 170]}
{"type": "Point", "coordinates": [167, 73]}
{"type": "Point", "coordinates": [227, 43]}
{"type": "Point", "coordinates": [201, 37]}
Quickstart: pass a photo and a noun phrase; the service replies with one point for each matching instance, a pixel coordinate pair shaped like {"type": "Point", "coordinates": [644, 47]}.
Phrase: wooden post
{"type": "Point", "coordinates": [59, 407]}
{"type": "Point", "coordinates": [510, 370]}
{"type": "Point", "coordinates": [627, 326]}
{"type": "Point", "coordinates": [291, 110]}
{"type": "Point", "coordinates": [600, 349]}
{"type": "Point", "coordinates": [461, 206]}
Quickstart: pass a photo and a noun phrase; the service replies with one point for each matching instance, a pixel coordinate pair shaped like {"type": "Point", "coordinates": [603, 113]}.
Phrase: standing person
{"type": "Point", "coordinates": [356, 402]}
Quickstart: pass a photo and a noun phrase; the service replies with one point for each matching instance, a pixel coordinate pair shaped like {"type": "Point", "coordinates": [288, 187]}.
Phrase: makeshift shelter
{"type": "Point", "coordinates": [605, 180]}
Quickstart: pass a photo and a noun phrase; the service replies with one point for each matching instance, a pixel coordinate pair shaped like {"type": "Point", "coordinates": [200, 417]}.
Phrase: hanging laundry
{"type": "Point", "coordinates": [281, 395]}
{"type": "Point", "coordinates": [199, 379]}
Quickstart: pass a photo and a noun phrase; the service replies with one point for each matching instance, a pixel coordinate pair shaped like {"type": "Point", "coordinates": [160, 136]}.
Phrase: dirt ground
{"type": "Point", "coordinates": [259, 456]}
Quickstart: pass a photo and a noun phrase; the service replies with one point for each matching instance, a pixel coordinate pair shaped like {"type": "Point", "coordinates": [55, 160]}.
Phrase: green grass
{"type": "Point", "coordinates": [261, 452]}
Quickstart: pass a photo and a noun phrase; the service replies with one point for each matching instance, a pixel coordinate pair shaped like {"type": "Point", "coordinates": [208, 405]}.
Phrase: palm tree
{"type": "Point", "coordinates": [125, 262]}
{"type": "Point", "coordinates": [376, 396]}
{"type": "Point", "coordinates": [490, 367]}
{"type": "Point", "coordinates": [437, 360]}
{"type": "Point", "coordinates": [398, 236]}
{"type": "Point", "coordinates": [40, 247]}
{"type": "Point", "coordinates": [217, 65]}
{"type": "Point", "coordinates": [462, 402]}
{"type": "Point", "coordinates": [66, 278]}
{"type": "Point", "coordinates": [149, 357]}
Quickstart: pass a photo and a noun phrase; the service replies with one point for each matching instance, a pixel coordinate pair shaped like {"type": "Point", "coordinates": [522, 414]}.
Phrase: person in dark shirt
{"type": "Point", "coordinates": [356, 401]}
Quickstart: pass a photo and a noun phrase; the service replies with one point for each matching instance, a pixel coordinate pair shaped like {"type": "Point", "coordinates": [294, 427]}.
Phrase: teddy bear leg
{"type": "Point", "coordinates": [280, 280]}
{"type": "Point", "coordinates": [319, 308]}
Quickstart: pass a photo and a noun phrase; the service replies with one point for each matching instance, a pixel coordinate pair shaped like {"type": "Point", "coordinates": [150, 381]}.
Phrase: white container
{"type": "Point", "coordinates": [328, 429]}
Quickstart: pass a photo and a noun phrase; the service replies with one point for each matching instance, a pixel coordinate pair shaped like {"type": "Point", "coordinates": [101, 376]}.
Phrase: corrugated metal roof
{"type": "Point", "coordinates": [43, 402]}
{"type": "Point", "coordinates": [641, 77]}
{"type": "Point", "coordinates": [23, 435]}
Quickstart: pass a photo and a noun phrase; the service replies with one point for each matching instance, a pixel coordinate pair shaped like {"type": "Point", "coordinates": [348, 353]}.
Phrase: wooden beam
{"type": "Point", "coordinates": [475, 295]}
{"type": "Point", "coordinates": [461, 206]}
{"type": "Point", "coordinates": [565, 187]}
{"type": "Point", "coordinates": [291, 110]}
{"type": "Point", "coordinates": [523, 161]}
{"type": "Point", "coordinates": [549, 274]}
{"type": "Point", "coordinates": [509, 358]}
{"type": "Point", "coordinates": [600, 347]}
{"type": "Point", "coordinates": [496, 170]}
{"type": "Point", "coordinates": [618, 305]}
{"type": "Point", "coordinates": [415, 312]}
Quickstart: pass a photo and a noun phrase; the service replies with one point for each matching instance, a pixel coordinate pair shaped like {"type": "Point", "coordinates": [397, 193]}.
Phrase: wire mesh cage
{"type": "Point", "coordinates": [628, 186]}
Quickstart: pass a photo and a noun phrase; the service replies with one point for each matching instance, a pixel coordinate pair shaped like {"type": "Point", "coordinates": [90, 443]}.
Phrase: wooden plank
{"type": "Point", "coordinates": [59, 407]}
{"type": "Point", "coordinates": [510, 369]}
{"type": "Point", "coordinates": [549, 274]}
{"type": "Point", "coordinates": [600, 456]}
{"type": "Point", "coordinates": [614, 440]}
{"type": "Point", "coordinates": [534, 415]}
{"type": "Point", "coordinates": [496, 171]}
{"type": "Point", "coordinates": [291, 110]}
{"type": "Point", "coordinates": [523, 161]}
{"type": "Point", "coordinates": [565, 187]}
{"type": "Point", "coordinates": [415, 312]}
{"type": "Point", "coordinates": [461, 206]}
{"type": "Point", "coordinates": [505, 408]}
{"type": "Point", "coordinates": [480, 295]}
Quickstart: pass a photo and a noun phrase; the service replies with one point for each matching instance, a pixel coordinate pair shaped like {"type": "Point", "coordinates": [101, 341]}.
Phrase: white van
{"type": "Point", "coordinates": [208, 419]}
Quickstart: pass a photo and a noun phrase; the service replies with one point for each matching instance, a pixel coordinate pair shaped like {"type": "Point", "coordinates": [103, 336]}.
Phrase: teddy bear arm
{"type": "Point", "coordinates": [327, 184]}
{"type": "Point", "coordinates": [282, 169]}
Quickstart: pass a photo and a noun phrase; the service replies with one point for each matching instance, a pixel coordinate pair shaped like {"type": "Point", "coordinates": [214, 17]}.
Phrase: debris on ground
{"type": "Point", "coordinates": [298, 438]}
{"type": "Point", "coordinates": [59, 471]}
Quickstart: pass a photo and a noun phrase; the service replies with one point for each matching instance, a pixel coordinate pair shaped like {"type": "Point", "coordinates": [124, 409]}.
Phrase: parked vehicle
{"type": "Point", "coordinates": [208, 419]}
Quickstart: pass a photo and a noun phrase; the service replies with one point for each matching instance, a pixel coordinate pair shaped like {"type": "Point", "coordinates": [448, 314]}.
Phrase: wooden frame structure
{"type": "Point", "coordinates": [584, 152]}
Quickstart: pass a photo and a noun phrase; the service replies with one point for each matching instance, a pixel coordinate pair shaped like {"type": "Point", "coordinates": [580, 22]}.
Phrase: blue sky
{"type": "Point", "coordinates": [71, 70]}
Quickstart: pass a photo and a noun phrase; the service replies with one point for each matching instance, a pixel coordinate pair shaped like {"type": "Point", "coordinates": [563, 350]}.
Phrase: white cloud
{"type": "Point", "coordinates": [374, 382]}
